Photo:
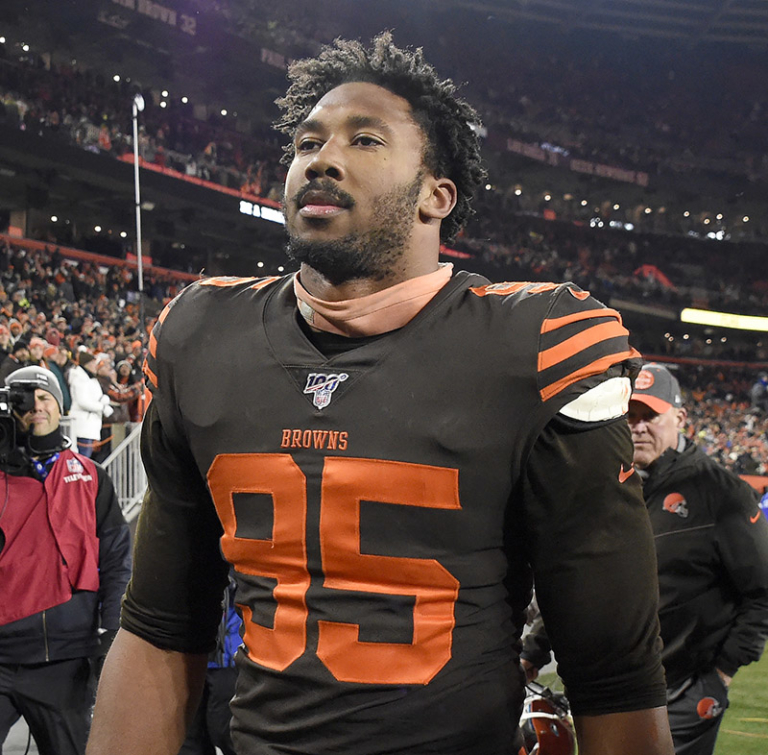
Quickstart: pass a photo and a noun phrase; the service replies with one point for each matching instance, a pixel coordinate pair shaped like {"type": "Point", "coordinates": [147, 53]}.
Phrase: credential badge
{"type": "Point", "coordinates": [322, 386]}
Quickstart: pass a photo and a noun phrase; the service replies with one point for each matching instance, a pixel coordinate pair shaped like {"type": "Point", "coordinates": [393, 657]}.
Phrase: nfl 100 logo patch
{"type": "Point", "coordinates": [321, 387]}
{"type": "Point", "coordinates": [74, 466]}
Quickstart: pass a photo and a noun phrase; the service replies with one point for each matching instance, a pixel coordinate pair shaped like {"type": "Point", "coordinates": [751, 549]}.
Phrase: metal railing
{"type": "Point", "coordinates": [127, 472]}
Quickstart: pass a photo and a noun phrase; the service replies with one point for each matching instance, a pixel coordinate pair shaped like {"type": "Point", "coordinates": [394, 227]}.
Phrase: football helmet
{"type": "Point", "coordinates": [546, 722]}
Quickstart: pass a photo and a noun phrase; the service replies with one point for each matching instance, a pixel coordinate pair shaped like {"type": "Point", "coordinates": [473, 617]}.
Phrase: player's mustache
{"type": "Point", "coordinates": [327, 188]}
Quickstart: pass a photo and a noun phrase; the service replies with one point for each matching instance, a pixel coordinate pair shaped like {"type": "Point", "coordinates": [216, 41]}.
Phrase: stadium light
{"type": "Point", "coordinates": [54, 218]}
{"type": "Point", "coordinates": [724, 320]}
{"type": "Point", "coordinates": [223, 112]}
{"type": "Point", "coordinates": [116, 78]}
{"type": "Point", "coordinates": [745, 219]}
{"type": "Point", "coordinates": [165, 92]}
{"type": "Point", "coordinates": [185, 100]}
{"type": "Point", "coordinates": [25, 47]}
{"type": "Point", "coordinates": [2, 40]}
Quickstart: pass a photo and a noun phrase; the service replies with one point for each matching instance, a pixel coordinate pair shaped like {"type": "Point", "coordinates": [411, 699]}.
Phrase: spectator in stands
{"type": "Point", "coordinates": [17, 358]}
{"type": "Point", "coordinates": [5, 342]}
{"type": "Point", "coordinates": [759, 394]}
{"type": "Point", "coordinates": [60, 364]}
{"type": "Point", "coordinates": [65, 560]}
{"type": "Point", "coordinates": [89, 404]}
{"type": "Point", "coordinates": [132, 384]}
{"type": "Point", "coordinates": [16, 329]}
{"type": "Point", "coordinates": [136, 358]}
{"type": "Point", "coordinates": [37, 348]}
{"type": "Point", "coordinates": [712, 550]}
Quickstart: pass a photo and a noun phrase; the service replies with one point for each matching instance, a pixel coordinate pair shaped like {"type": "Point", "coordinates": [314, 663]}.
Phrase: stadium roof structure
{"type": "Point", "coordinates": [693, 21]}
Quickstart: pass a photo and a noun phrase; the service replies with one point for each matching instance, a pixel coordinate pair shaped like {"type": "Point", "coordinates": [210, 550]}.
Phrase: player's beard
{"type": "Point", "coordinates": [371, 254]}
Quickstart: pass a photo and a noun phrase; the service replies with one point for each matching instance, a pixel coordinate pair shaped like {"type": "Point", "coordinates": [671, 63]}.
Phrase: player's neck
{"type": "Point", "coordinates": [373, 314]}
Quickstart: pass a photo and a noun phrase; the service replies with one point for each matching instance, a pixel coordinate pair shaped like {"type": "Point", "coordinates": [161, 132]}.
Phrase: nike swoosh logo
{"type": "Point", "coordinates": [624, 476]}
{"type": "Point", "coordinates": [754, 518]}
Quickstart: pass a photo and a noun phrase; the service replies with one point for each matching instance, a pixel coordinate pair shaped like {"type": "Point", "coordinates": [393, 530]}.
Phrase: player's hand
{"type": "Point", "coordinates": [726, 679]}
{"type": "Point", "coordinates": [531, 672]}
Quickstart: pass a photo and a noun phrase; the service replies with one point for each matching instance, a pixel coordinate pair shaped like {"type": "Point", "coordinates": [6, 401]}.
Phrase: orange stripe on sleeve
{"type": "Point", "coordinates": [153, 344]}
{"type": "Point", "coordinates": [594, 368]}
{"type": "Point", "coordinates": [150, 375]}
{"type": "Point", "coordinates": [558, 322]}
{"type": "Point", "coordinates": [581, 341]}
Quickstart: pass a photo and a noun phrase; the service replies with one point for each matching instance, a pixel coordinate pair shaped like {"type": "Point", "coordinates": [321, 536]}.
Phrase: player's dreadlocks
{"type": "Point", "coordinates": [452, 150]}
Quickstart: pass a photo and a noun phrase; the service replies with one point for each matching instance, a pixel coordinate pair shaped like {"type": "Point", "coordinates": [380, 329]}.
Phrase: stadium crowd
{"type": "Point", "coordinates": [676, 270]}
{"type": "Point", "coordinates": [57, 313]}
{"type": "Point", "coordinates": [576, 111]}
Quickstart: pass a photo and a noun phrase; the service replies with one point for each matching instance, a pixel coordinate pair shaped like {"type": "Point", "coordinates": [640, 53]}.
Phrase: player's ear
{"type": "Point", "coordinates": [438, 198]}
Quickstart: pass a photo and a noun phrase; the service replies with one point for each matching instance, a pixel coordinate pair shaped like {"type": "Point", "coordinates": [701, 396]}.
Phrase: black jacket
{"type": "Point", "coordinates": [72, 629]}
{"type": "Point", "coordinates": [712, 550]}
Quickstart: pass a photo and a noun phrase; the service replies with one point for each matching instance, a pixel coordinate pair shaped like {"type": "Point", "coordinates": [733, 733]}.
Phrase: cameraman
{"type": "Point", "coordinates": [64, 565]}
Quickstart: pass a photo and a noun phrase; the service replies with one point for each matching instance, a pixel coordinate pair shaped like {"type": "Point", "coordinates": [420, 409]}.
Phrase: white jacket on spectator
{"type": "Point", "coordinates": [89, 404]}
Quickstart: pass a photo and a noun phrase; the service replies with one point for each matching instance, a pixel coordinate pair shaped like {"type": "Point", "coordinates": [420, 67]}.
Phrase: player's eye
{"type": "Point", "coordinates": [307, 145]}
{"type": "Point", "coordinates": [364, 140]}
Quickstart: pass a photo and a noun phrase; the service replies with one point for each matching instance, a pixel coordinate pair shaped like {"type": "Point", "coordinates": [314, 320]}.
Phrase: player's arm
{"type": "Point", "coordinates": [637, 732]}
{"type": "Point", "coordinates": [152, 676]}
{"type": "Point", "coordinates": [742, 539]}
{"type": "Point", "coordinates": [147, 697]}
{"type": "Point", "coordinates": [591, 549]}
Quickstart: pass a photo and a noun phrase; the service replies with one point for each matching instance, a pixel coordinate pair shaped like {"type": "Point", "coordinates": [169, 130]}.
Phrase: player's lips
{"type": "Point", "coordinates": [318, 203]}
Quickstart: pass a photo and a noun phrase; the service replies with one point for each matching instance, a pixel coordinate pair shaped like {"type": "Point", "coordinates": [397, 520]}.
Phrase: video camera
{"type": "Point", "coordinates": [19, 399]}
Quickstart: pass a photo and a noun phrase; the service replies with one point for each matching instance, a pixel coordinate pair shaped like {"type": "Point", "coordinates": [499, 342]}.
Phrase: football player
{"type": "Point", "coordinates": [386, 452]}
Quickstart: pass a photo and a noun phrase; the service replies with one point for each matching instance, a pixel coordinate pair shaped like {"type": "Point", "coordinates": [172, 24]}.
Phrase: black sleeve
{"type": "Point", "coordinates": [592, 552]}
{"type": "Point", "coordinates": [174, 597]}
{"type": "Point", "coordinates": [742, 540]}
{"type": "Point", "coordinates": [114, 551]}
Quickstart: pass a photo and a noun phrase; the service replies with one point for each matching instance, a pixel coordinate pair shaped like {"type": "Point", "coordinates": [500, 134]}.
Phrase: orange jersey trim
{"type": "Point", "coordinates": [164, 314]}
{"type": "Point", "coordinates": [223, 281]}
{"type": "Point", "coordinates": [594, 368]}
{"type": "Point", "coordinates": [265, 282]}
{"type": "Point", "coordinates": [504, 289]}
{"type": "Point", "coordinates": [558, 322]}
{"type": "Point", "coordinates": [580, 342]}
{"type": "Point", "coordinates": [153, 344]}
